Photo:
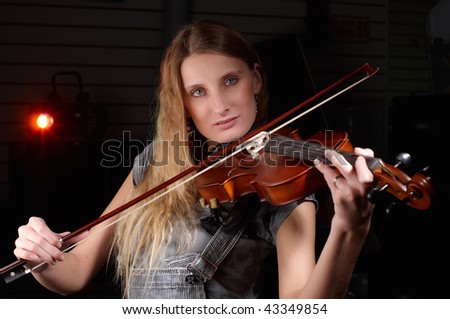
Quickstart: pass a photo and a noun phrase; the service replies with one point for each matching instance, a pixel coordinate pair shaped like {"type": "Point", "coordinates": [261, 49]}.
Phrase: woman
{"type": "Point", "coordinates": [212, 88]}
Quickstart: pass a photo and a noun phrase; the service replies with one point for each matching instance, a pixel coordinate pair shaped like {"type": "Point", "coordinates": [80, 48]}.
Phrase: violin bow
{"type": "Point", "coordinates": [18, 268]}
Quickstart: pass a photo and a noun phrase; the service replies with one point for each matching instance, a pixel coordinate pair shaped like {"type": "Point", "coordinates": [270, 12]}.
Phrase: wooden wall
{"type": "Point", "coordinates": [409, 71]}
{"type": "Point", "coordinates": [115, 46]}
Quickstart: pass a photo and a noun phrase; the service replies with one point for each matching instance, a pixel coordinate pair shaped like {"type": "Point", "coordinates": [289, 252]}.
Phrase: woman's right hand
{"type": "Point", "coordinates": [37, 243]}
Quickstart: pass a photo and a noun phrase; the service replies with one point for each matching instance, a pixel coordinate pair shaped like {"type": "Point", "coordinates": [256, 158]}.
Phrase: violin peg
{"type": "Point", "coordinates": [425, 171]}
{"type": "Point", "coordinates": [374, 194]}
{"type": "Point", "coordinates": [403, 159]}
{"type": "Point", "coordinates": [392, 209]}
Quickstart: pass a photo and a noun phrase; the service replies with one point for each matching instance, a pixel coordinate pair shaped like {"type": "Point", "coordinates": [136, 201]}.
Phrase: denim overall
{"type": "Point", "coordinates": [247, 271]}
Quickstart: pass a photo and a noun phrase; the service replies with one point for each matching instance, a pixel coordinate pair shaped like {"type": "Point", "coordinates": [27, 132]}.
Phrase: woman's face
{"type": "Point", "coordinates": [219, 94]}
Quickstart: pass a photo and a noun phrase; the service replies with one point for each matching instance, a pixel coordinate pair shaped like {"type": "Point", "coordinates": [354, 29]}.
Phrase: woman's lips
{"type": "Point", "coordinates": [226, 124]}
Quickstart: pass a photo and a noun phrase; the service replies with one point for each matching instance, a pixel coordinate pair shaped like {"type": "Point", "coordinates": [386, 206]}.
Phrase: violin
{"type": "Point", "coordinates": [282, 171]}
{"type": "Point", "coordinates": [276, 164]}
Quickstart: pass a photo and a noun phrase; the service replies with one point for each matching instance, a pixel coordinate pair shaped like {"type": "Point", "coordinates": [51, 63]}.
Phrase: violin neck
{"type": "Point", "coordinates": [308, 151]}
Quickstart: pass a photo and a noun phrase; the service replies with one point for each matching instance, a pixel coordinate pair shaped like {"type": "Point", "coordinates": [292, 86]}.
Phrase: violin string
{"type": "Point", "coordinates": [307, 150]}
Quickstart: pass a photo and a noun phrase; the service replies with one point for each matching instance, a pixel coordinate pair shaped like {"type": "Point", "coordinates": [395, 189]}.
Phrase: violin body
{"type": "Point", "coordinates": [277, 179]}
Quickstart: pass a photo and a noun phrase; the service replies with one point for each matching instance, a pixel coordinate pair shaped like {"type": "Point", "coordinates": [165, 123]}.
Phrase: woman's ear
{"type": "Point", "coordinates": [257, 80]}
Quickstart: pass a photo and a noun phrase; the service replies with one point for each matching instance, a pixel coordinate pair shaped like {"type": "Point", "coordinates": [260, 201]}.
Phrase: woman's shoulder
{"type": "Point", "coordinates": [141, 162]}
{"type": "Point", "coordinates": [279, 213]}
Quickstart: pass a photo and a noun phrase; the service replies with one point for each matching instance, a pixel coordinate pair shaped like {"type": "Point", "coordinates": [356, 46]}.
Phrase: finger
{"type": "Point", "coordinates": [326, 170]}
{"type": "Point", "coordinates": [74, 239]}
{"type": "Point", "coordinates": [40, 227]}
{"type": "Point", "coordinates": [37, 239]}
{"type": "Point", "coordinates": [359, 174]}
{"type": "Point", "coordinates": [35, 248]}
{"type": "Point", "coordinates": [367, 152]}
{"type": "Point", "coordinates": [24, 254]}
{"type": "Point", "coordinates": [340, 163]}
{"type": "Point", "coordinates": [329, 174]}
{"type": "Point", "coordinates": [363, 172]}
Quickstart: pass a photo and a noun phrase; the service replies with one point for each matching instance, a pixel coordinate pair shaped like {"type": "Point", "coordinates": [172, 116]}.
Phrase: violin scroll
{"type": "Point", "coordinates": [415, 191]}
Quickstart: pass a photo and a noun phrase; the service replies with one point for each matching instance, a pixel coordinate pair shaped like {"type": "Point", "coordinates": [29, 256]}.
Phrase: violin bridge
{"type": "Point", "coordinates": [256, 144]}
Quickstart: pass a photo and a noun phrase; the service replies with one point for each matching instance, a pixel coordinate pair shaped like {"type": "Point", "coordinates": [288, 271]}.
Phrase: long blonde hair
{"type": "Point", "coordinates": [144, 234]}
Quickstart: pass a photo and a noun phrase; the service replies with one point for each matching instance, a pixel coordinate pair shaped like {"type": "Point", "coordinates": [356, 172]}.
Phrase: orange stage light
{"type": "Point", "coordinates": [44, 121]}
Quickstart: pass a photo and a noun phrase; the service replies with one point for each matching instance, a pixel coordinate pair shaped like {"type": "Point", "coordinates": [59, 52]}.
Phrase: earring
{"type": "Point", "coordinates": [256, 103]}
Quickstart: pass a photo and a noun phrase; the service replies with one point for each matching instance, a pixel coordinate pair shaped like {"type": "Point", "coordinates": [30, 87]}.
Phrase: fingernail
{"type": "Point", "coordinates": [317, 162]}
{"type": "Point", "coordinates": [338, 157]}
{"type": "Point", "coordinates": [61, 258]}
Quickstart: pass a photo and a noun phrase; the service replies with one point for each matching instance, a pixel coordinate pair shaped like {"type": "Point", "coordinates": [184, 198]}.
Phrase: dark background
{"type": "Point", "coordinates": [63, 177]}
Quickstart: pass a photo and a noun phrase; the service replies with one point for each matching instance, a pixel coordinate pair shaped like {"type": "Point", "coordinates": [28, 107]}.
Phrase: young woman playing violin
{"type": "Point", "coordinates": [212, 85]}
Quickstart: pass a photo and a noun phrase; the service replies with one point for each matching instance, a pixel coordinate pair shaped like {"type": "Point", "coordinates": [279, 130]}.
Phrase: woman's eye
{"type": "Point", "coordinates": [197, 92]}
{"type": "Point", "coordinates": [231, 81]}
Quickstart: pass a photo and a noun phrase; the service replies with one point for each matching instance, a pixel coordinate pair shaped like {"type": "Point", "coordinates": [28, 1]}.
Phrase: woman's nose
{"type": "Point", "coordinates": [220, 106]}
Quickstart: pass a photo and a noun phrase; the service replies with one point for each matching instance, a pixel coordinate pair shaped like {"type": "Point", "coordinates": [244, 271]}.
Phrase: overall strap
{"type": "Point", "coordinates": [205, 264]}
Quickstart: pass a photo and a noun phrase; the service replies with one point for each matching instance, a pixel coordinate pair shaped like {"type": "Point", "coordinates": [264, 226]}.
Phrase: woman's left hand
{"type": "Point", "coordinates": [349, 187]}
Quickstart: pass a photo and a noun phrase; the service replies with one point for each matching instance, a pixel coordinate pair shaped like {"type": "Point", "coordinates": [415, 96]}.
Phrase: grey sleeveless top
{"type": "Point", "coordinates": [248, 271]}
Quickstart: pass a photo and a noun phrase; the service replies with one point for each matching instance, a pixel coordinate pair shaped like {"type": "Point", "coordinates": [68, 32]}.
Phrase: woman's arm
{"type": "Point", "coordinates": [67, 273]}
{"type": "Point", "coordinates": [300, 276]}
